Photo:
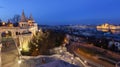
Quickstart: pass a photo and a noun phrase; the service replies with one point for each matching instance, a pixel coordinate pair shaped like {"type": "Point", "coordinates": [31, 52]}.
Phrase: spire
{"type": "Point", "coordinates": [9, 21]}
{"type": "Point", "coordinates": [31, 17]}
{"type": "Point", "coordinates": [23, 18]}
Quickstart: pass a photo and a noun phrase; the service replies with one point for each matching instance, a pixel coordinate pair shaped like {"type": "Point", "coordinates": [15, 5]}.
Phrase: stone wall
{"type": "Point", "coordinates": [0, 53]}
{"type": "Point", "coordinates": [24, 41]}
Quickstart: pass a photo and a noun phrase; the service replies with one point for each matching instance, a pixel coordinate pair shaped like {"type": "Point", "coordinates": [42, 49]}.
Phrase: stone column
{"type": "Point", "coordinates": [13, 34]}
{"type": "Point", "coordinates": [0, 53]}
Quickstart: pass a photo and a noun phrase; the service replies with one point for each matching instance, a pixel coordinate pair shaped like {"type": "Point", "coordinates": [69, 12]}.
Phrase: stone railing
{"type": "Point", "coordinates": [0, 53]}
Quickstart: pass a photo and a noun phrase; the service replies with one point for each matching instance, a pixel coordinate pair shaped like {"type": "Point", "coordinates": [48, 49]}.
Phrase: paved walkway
{"type": "Point", "coordinates": [9, 54]}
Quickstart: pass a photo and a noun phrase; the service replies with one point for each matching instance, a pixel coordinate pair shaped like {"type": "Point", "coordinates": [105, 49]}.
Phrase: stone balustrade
{"type": "Point", "coordinates": [0, 53]}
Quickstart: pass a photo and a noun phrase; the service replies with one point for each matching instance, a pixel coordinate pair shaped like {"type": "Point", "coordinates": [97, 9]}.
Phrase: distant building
{"type": "Point", "coordinates": [108, 26]}
{"type": "Point", "coordinates": [115, 43]}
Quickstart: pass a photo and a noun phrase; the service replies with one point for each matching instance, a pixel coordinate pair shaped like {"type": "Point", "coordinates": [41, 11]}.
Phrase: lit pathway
{"type": "Point", "coordinates": [9, 55]}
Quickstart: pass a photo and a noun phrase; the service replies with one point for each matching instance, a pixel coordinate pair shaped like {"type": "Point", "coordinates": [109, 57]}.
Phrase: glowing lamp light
{"type": "Point", "coordinates": [20, 49]}
{"type": "Point", "coordinates": [19, 61]}
{"type": "Point", "coordinates": [37, 49]}
{"type": "Point", "coordinates": [3, 23]}
{"type": "Point", "coordinates": [72, 58]}
{"type": "Point", "coordinates": [36, 45]}
{"type": "Point", "coordinates": [39, 30]}
{"type": "Point", "coordinates": [85, 61]}
{"type": "Point", "coordinates": [6, 31]}
{"type": "Point", "coordinates": [60, 51]}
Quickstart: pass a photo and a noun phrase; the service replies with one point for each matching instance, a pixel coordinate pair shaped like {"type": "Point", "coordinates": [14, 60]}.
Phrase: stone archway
{"type": "Point", "coordinates": [17, 33]}
{"type": "Point", "coordinates": [6, 34]}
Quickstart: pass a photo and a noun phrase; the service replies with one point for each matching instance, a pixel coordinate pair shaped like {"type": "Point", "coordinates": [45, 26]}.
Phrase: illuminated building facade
{"type": "Point", "coordinates": [24, 31]}
{"type": "Point", "coordinates": [108, 26]}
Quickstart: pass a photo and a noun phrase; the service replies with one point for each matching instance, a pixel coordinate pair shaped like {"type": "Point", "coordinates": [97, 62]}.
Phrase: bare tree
{"type": "Point", "coordinates": [16, 19]}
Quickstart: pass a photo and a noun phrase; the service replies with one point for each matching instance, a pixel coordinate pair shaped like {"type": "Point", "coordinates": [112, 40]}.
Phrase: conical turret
{"type": "Point", "coordinates": [31, 17]}
{"type": "Point", "coordinates": [8, 21]}
{"type": "Point", "coordinates": [23, 18]}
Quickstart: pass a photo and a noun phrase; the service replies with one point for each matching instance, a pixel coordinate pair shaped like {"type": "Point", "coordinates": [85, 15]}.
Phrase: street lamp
{"type": "Point", "coordinates": [72, 60]}
{"type": "Point", "coordinates": [20, 49]}
{"type": "Point", "coordinates": [85, 62]}
{"type": "Point", "coordinates": [19, 61]}
{"type": "Point", "coordinates": [60, 51]}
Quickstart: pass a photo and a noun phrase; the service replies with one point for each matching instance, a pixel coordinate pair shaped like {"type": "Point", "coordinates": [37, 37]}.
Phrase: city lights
{"type": "Point", "coordinates": [69, 33]}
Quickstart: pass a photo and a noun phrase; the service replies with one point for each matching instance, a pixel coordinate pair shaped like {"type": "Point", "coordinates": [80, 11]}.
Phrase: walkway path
{"type": "Point", "coordinates": [9, 54]}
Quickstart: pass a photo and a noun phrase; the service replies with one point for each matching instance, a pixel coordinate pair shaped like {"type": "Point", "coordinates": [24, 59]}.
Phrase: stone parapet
{"type": "Point", "coordinates": [0, 53]}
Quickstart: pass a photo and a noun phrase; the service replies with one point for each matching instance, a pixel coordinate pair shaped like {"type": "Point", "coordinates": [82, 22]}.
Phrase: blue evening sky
{"type": "Point", "coordinates": [54, 12]}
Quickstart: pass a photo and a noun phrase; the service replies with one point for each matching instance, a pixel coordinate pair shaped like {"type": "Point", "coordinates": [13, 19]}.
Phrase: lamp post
{"type": "Point", "coordinates": [19, 52]}
{"type": "Point", "coordinates": [19, 61]}
{"type": "Point", "coordinates": [72, 60]}
{"type": "Point", "coordinates": [19, 57]}
{"type": "Point", "coordinates": [20, 49]}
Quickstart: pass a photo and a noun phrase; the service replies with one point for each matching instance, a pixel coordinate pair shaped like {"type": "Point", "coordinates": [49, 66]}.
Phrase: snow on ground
{"type": "Point", "coordinates": [62, 58]}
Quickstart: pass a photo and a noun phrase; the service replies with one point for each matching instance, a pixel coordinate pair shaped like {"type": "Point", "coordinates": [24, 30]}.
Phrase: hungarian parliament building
{"type": "Point", "coordinates": [108, 26]}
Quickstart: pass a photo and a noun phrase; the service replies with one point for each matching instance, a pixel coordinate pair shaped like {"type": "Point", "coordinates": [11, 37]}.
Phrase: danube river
{"type": "Point", "coordinates": [114, 31]}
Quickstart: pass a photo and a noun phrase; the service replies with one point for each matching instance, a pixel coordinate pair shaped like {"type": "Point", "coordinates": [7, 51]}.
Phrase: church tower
{"type": "Point", "coordinates": [31, 20]}
{"type": "Point", "coordinates": [28, 23]}
{"type": "Point", "coordinates": [31, 17]}
{"type": "Point", "coordinates": [23, 21]}
{"type": "Point", "coordinates": [23, 18]}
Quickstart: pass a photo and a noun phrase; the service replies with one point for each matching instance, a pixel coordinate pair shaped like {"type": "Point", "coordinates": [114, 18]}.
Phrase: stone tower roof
{"type": "Point", "coordinates": [23, 18]}
{"type": "Point", "coordinates": [31, 17]}
{"type": "Point", "coordinates": [8, 21]}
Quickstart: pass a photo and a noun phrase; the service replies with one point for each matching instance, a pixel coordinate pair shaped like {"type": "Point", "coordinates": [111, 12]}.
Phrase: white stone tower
{"type": "Point", "coordinates": [23, 21]}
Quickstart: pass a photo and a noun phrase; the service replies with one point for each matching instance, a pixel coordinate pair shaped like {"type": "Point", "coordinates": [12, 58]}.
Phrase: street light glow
{"type": "Point", "coordinates": [72, 58]}
{"type": "Point", "coordinates": [19, 61]}
{"type": "Point", "coordinates": [20, 49]}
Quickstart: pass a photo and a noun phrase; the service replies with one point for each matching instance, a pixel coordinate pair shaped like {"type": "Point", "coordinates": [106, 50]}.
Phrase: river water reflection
{"type": "Point", "coordinates": [114, 31]}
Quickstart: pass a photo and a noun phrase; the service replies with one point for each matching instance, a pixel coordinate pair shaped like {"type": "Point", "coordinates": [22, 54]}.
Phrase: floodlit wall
{"type": "Point", "coordinates": [24, 41]}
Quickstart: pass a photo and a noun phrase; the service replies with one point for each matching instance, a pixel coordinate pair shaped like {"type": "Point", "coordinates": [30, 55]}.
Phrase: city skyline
{"type": "Point", "coordinates": [64, 11]}
{"type": "Point", "coordinates": [59, 33]}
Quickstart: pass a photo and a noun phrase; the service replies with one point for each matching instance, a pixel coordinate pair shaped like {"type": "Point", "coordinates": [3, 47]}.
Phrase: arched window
{"type": "Point", "coordinates": [6, 34]}
{"type": "Point", "coordinates": [17, 33]}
